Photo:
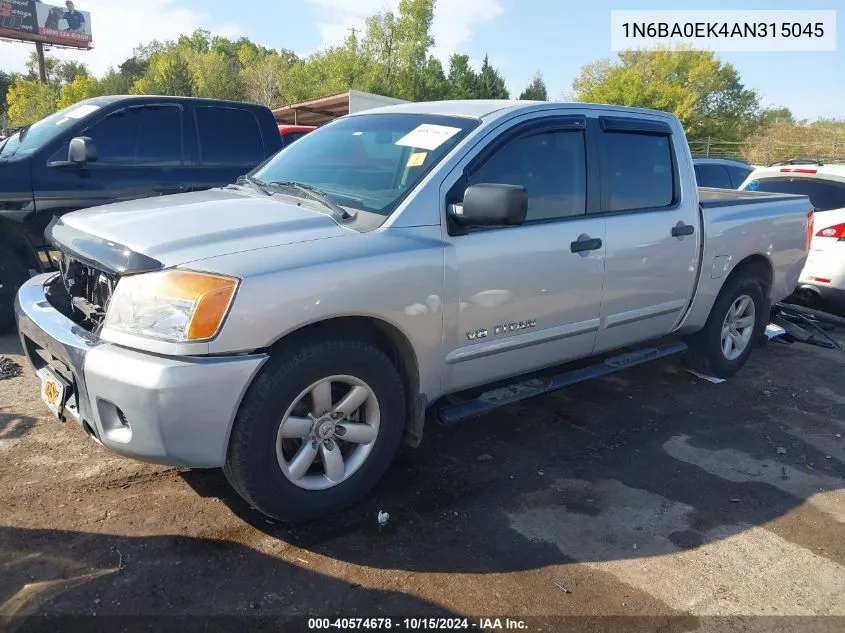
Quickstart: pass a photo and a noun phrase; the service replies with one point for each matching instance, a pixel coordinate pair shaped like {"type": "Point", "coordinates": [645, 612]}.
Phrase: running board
{"type": "Point", "coordinates": [514, 392]}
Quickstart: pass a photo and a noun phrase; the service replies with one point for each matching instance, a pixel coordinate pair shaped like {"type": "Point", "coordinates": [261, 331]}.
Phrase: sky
{"type": "Point", "coordinates": [552, 37]}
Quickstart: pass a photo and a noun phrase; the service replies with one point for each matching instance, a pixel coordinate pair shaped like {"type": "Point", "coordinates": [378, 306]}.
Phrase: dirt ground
{"type": "Point", "coordinates": [650, 493]}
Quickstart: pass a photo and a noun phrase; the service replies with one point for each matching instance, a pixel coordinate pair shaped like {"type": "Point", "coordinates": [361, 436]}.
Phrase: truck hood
{"type": "Point", "coordinates": [182, 228]}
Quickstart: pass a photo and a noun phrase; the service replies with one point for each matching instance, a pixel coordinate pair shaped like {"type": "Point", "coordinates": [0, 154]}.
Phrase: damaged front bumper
{"type": "Point", "coordinates": [170, 410]}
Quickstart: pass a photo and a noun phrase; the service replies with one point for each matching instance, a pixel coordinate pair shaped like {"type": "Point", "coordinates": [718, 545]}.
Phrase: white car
{"type": "Point", "coordinates": [823, 276]}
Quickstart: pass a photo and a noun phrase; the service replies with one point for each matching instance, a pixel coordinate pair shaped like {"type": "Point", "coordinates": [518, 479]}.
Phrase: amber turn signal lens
{"type": "Point", "coordinates": [211, 294]}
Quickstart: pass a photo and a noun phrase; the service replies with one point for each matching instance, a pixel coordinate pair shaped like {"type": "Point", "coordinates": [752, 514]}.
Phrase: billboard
{"type": "Point", "coordinates": [34, 21]}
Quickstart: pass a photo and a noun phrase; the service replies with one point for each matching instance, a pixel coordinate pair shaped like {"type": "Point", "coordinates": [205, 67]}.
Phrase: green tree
{"type": "Point", "coordinates": [776, 115]}
{"type": "Point", "coordinates": [395, 53]}
{"type": "Point", "coordinates": [262, 78]}
{"type": "Point", "coordinates": [199, 41]}
{"type": "Point", "coordinates": [536, 90]}
{"type": "Point", "coordinates": [491, 85]}
{"type": "Point", "coordinates": [115, 82]}
{"type": "Point", "coordinates": [168, 74]}
{"type": "Point", "coordinates": [51, 66]}
{"type": "Point", "coordinates": [216, 76]}
{"type": "Point", "coordinates": [30, 100]}
{"type": "Point", "coordinates": [6, 82]}
{"type": "Point", "coordinates": [83, 87]}
{"type": "Point", "coordinates": [69, 71]}
{"type": "Point", "coordinates": [704, 93]}
{"type": "Point", "coordinates": [379, 46]}
{"type": "Point", "coordinates": [416, 78]}
{"type": "Point", "coordinates": [134, 67]}
{"type": "Point", "coordinates": [463, 80]}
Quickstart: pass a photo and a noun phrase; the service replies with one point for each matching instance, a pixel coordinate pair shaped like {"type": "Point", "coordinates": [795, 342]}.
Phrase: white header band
{"type": "Point", "coordinates": [726, 31]}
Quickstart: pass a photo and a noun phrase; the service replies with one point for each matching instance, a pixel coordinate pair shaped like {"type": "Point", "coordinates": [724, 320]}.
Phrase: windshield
{"type": "Point", "coordinates": [824, 194]}
{"type": "Point", "coordinates": [367, 162]}
{"type": "Point", "coordinates": [31, 138]}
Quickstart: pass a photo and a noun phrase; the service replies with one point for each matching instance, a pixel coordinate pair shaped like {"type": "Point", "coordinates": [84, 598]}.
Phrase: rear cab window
{"type": "Point", "coordinates": [228, 137]}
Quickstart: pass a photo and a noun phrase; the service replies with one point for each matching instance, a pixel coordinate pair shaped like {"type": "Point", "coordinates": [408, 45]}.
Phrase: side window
{"type": "Point", "coordinates": [638, 172]}
{"type": "Point", "coordinates": [738, 175]}
{"type": "Point", "coordinates": [149, 135]}
{"type": "Point", "coordinates": [229, 137]}
{"type": "Point", "coordinates": [714, 176]}
{"type": "Point", "coordinates": [552, 166]}
{"type": "Point", "coordinates": [160, 136]}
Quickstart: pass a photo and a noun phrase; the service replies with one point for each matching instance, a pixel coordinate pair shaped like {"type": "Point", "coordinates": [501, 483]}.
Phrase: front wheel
{"type": "Point", "coordinates": [723, 346]}
{"type": "Point", "coordinates": [317, 429]}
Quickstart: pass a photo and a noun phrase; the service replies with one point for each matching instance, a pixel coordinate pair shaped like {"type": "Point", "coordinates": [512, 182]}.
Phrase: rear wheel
{"type": "Point", "coordinates": [12, 275]}
{"type": "Point", "coordinates": [317, 429]}
{"type": "Point", "coordinates": [723, 346]}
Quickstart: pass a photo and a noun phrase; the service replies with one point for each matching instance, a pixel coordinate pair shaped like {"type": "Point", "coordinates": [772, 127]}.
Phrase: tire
{"type": "Point", "coordinates": [706, 352]}
{"type": "Point", "coordinates": [255, 469]}
{"type": "Point", "coordinates": [12, 275]}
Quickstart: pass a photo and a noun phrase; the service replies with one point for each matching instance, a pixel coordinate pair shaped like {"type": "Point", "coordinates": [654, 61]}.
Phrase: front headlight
{"type": "Point", "coordinates": [172, 305]}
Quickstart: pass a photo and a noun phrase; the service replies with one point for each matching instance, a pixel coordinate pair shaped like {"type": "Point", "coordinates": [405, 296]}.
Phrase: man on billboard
{"type": "Point", "coordinates": [74, 18]}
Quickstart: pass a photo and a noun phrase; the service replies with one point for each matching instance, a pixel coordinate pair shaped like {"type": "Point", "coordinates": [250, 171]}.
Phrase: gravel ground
{"type": "Point", "coordinates": [650, 493]}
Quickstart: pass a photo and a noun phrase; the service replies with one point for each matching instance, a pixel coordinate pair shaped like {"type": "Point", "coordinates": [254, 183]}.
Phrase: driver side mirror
{"type": "Point", "coordinates": [80, 152]}
{"type": "Point", "coordinates": [491, 205]}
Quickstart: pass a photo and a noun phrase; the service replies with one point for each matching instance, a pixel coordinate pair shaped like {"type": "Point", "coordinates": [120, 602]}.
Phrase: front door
{"type": "Point", "coordinates": [527, 296]}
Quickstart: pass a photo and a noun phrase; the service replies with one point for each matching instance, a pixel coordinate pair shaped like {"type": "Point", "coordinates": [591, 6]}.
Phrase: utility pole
{"type": "Point", "coordinates": [42, 67]}
{"type": "Point", "coordinates": [353, 30]}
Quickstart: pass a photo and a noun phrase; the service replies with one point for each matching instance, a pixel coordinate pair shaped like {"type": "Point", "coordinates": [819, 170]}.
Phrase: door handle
{"type": "Point", "coordinates": [585, 243]}
{"type": "Point", "coordinates": [169, 188]}
{"type": "Point", "coordinates": [682, 229]}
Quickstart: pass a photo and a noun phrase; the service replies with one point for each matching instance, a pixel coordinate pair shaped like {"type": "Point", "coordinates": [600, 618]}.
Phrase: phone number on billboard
{"type": "Point", "coordinates": [724, 29]}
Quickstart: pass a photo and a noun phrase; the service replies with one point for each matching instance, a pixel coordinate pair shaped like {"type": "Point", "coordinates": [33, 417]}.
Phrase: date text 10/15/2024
{"type": "Point", "coordinates": [414, 624]}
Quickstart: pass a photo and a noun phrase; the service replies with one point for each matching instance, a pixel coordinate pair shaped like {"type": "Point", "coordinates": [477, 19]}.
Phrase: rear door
{"type": "Point", "coordinates": [140, 154]}
{"type": "Point", "coordinates": [653, 231]}
{"type": "Point", "coordinates": [228, 143]}
{"type": "Point", "coordinates": [527, 296]}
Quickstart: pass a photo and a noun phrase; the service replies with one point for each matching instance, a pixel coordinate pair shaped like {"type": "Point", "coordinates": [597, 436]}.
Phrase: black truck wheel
{"type": "Point", "coordinates": [723, 346]}
{"type": "Point", "coordinates": [317, 429]}
{"type": "Point", "coordinates": [13, 273]}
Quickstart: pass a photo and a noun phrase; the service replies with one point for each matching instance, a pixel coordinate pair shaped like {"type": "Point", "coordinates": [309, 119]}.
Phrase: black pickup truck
{"type": "Point", "coordinates": [110, 149]}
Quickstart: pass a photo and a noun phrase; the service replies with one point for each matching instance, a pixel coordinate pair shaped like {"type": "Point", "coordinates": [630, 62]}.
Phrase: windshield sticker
{"type": "Point", "coordinates": [754, 185]}
{"type": "Point", "coordinates": [428, 136]}
{"type": "Point", "coordinates": [417, 159]}
{"type": "Point", "coordinates": [81, 112]}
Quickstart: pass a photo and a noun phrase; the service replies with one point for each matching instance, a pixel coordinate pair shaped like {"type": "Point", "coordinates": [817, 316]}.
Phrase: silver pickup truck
{"type": "Point", "coordinates": [294, 327]}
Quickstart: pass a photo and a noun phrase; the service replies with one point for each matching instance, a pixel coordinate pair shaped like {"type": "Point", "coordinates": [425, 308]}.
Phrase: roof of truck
{"type": "Point", "coordinates": [481, 108]}
{"type": "Point", "coordinates": [108, 99]}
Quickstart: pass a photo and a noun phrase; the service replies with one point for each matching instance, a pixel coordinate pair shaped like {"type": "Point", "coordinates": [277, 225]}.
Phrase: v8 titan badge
{"type": "Point", "coordinates": [52, 390]}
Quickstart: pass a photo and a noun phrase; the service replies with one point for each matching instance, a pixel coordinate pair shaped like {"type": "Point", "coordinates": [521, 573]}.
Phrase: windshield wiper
{"type": "Point", "coordinates": [254, 183]}
{"type": "Point", "coordinates": [313, 193]}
